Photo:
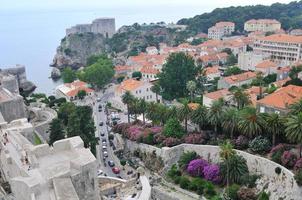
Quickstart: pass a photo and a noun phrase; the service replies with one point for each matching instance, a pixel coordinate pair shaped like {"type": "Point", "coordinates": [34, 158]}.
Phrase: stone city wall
{"type": "Point", "coordinates": [281, 186]}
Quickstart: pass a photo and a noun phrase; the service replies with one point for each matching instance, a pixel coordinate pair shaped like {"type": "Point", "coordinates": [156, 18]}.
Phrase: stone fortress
{"type": "Point", "coordinates": [105, 26]}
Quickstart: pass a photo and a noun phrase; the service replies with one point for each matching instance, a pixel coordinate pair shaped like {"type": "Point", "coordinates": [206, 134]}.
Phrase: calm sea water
{"type": "Point", "coordinates": [31, 38]}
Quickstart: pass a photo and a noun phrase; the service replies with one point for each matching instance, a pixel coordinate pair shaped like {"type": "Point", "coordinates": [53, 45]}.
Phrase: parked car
{"type": "Point", "coordinates": [104, 143]}
{"type": "Point", "coordinates": [115, 170]}
{"type": "Point", "coordinates": [100, 172]}
{"type": "Point", "coordinates": [104, 140]}
{"type": "Point", "coordinates": [102, 134]}
{"type": "Point", "coordinates": [98, 99]}
{"type": "Point", "coordinates": [111, 163]}
{"type": "Point", "coordinates": [129, 172]}
{"type": "Point", "coordinates": [101, 123]}
{"type": "Point", "coordinates": [105, 153]}
{"type": "Point", "coordinates": [104, 147]}
{"type": "Point", "coordinates": [111, 143]}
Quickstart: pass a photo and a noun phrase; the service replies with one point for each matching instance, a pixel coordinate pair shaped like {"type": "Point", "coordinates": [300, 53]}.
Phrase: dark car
{"type": "Point", "coordinates": [111, 143]}
{"type": "Point", "coordinates": [101, 123]}
{"type": "Point", "coordinates": [111, 163]}
{"type": "Point", "coordinates": [102, 134]}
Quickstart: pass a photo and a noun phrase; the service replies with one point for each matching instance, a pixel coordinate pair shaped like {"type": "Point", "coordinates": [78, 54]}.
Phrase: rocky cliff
{"type": "Point", "coordinates": [76, 48]}
{"type": "Point", "coordinates": [129, 40]}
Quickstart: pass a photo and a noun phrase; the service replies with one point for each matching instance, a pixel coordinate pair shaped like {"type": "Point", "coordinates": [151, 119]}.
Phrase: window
{"type": "Point", "coordinates": [147, 89]}
{"type": "Point", "coordinates": [147, 97]}
{"type": "Point", "coordinates": [262, 109]}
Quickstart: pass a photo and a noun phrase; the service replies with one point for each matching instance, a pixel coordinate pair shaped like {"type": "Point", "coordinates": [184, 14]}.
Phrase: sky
{"type": "Point", "coordinates": [24, 5]}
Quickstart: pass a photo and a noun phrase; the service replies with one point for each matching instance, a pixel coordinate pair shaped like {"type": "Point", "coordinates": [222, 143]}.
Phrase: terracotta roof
{"type": "Point", "coordinates": [122, 68]}
{"type": "Point", "coordinates": [193, 106]}
{"type": "Point", "coordinates": [266, 64]}
{"type": "Point", "coordinates": [283, 97]}
{"type": "Point", "coordinates": [218, 94]}
{"type": "Point", "coordinates": [72, 89]}
{"type": "Point", "coordinates": [213, 57]}
{"type": "Point", "coordinates": [280, 83]}
{"type": "Point", "coordinates": [262, 21]}
{"type": "Point", "coordinates": [240, 77]}
{"type": "Point", "coordinates": [253, 92]}
{"type": "Point", "coordinates": [149, 70]}
{"type": "Point", "coordinates": [75, 91]}
{"type": "Point", "coordinates": [283, 38]}
{"type": "Point", "coordinates": [211, 70]}
{"type": "Point", "coordinates": [76, 83]}
{"type": "Point", "coordinates": [130, 85]}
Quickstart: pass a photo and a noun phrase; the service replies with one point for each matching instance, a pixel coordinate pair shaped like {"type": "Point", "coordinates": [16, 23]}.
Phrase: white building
{"type": "Point", "coordinates": [209, 98]}
{"type": "Point", "coordinates": [282, 48]}
{"type": "Point", "coordinates": [69, 91]}
{"type": "Point", "coordinates": [221, 29]}
{"type": "Point", "coordinates": [139, 89]}
{"type": "Point", "coordinates": [249, 60]}
{"type": "Point", "coordinates": [263, 25]}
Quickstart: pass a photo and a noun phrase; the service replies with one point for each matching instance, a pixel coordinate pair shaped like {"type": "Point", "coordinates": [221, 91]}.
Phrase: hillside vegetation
{"type": "Point", "coordinates": [290, 15]}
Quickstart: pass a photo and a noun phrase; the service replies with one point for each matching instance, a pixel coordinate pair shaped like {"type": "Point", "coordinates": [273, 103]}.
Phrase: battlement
{"type": "Point", "coordinates": [105, 26]}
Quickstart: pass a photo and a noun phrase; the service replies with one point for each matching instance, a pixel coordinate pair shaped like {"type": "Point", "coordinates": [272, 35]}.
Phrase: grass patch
{"type": "Point", "coordinates": [37, 139]}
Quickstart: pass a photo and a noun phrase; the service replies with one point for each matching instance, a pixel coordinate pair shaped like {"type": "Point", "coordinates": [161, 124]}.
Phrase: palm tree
{"type": "Point", "coordinates": [143, 108]}
{"type": "Point", "coordinates": [294, 129]}
{"type": "Point", "coordinates": [134, 108]}
{"type": "Point", "coordinates": [127, 99]}
{"type": "Point", "coordinates": [274, 125]}
{"type": "Point", "coordinates": [293, 74]}
{"type": "Point", "coordinates": [151, 112]}
{"type": "Point", "coordinates": [296, 107]}
{"type": "Point", "coordinates": [230, 118]}
{"type": "Point", "coordinates": [251, 122]}
{"type": "Point", "coordinates": [214, 114]}
{"type": "Point", "coordinates": [156, 89]}
{"type": "Point", "coordinates": [199, 116]}
{"type": "Point", "coordinates": [184, 113]}
{"type": "Point", "coordinates": [226, 153]}
{"type": "Point", "coordinates": [162, 113]}
{"type": "Point", "coordinates": [241, 98]}
{"type": "Point", "coordinates": [260, 81]}
{"type": "Point", "coordinates": [191, 87]}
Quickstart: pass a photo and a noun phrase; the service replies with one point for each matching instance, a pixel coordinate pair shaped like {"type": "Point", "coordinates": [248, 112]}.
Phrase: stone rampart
{"type": "Point", "coordinates": [281, 185]}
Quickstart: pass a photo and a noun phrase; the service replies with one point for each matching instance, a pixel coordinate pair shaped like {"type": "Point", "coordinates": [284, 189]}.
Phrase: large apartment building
{"type": "Point", "coordinates": [283, 48]}
{"type": "Point", "coordinates": [221, 29]}
{"type": "Point", "coordinates": [263, 25]}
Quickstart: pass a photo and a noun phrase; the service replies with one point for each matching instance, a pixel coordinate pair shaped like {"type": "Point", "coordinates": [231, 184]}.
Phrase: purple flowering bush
{"type": "Point", "coordinates": [298, 165]}
{"type": "Point", "coordinates": [211, 173]}
{"type": "Point", "coordinates": [196, 167]}
{"type": "Point", "coordinates": [288, 159]}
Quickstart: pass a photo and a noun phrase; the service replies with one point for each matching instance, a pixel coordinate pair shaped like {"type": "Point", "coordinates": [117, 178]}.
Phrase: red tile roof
{"type": "Point", "coordinates": [218, 94]}
{"type": "Point", "coordinates": [283, 97]}
{"type": "Point", "coordinates": [240, 77]}
{"type": "Point", "coordinates": [283, 38]}
{"type": "Point", "coordinates": [266, 64]}
{"type": "Point", "coordinates": [211, 70]}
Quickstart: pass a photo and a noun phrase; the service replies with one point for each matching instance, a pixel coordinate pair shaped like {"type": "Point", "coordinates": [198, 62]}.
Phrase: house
{"type": "Point", "coordinates": [69, 91]}
{"type": "Point", "coordinates": [264, 25]}
{"type": "Point", "coordinates": [209, 98]}
{"type": "Point", "coordinates": [266, 67]}
{"type": "Point", "coordinates": [283, 73]}
{"type": "Point", "coordinates": [139, 89]}
{"type": "Point", "coordinates": [213, 59]}
{"type": "Point", "coordinates": [152, 50]}
{"type": "Point", "coordinates": [249, 60]}
{"type": "Point", "coordinates": [236, 80]}
{"type": "Point", "coordinates": [282, 48]}
{"type": "Point", "coordinates": [279, 101]}
{"type": "Point", "coordinates": [253, 93]}
{"type": "Point", "coordinates": [212, 72]}
{"type": "Point", "coordinates": [123, 70]}
{"type": "Point", "coordinates": [149, 73]}
{"type": "Point", "coordinates": [280, 83]}
{"type": "Point", "coordinates": [296, 32]}
{"type": "Point", "coordinates": [221, 29]}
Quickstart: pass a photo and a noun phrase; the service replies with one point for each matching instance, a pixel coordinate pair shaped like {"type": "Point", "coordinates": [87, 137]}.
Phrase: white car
{"type": "Point", "coordinates": [104, 147]}
{"type": "Point", "coordinates": [105, 153]}
{"type": "Point", "coordinates": [98, 99]}
{"type": "Point", "coordinates": [100, 172]}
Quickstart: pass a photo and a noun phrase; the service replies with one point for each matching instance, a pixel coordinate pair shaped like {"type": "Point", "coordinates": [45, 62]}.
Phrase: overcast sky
{"type": "Point", "coordinates": [10, 5]}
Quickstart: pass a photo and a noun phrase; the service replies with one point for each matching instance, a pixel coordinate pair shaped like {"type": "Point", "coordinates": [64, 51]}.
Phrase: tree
{"type": "Point", "coordinates": [68, 75]}
{"type": "Point", "coordinates": [137, 75]}
{"type": "Point", "coordinates": [184, 113]}
{"type": "Point", "coordinates": [81, 94]}
{"type": "Point", "coordinates": [241, 98]}
{"type": "Point", "coordinates": [274, 125]}
{"type": "Point", "coordinates": [156, 89]}
{"type": "Point", "coordinates": [296, 107]}
{"type": "Point", "coordinates": [251, 122]}
{"type": "Point", "coordinates": [230, 118]}
{"type": "Point", "coordinates": [179, 69]}
{"type": "Point", "coordinates": [293, 74]}
{"type": "Point", "coordinates": [191, 87]}
{"type": "Point", "coordinates": [123, 163]}
{"type": "Point", "coordinates": [99, 73]}
{"type": "Point", "coordinates": [173, 129]}
{"type": "Point", "coordinates": [232, 71]}
{"type": "Point", "coordinates": [65, 111]}
{"type": "Point", "coordinates": [293, 129]}
{"type": "Point", "coordinates": [127, 99]}
{"type": "Point", "coordinates": [231, 60]}
{"type": "Point", "coordinates": [56, 131]}
{"type": "Point", "coordinates": [199, 116]}
{"type": "Point", "coordinates": [259, 81]}
{"type": "Point", "coordinates": [143, 108]}
{"type": "Point", "coordinates": [226, 153]}
{"type": "Point", "coordinates": [214, 114]}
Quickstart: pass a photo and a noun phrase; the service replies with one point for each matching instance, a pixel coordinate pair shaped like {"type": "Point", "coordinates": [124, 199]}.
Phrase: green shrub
{"type": "Point", "coordinates": [185, 158]}
{"type": "Point", "coordinates": [184, 182]}
{"type": "Point", "coordinates": [173, 172]}
{"type": "Point", "coordinates": [278, 170]}
{"type": "Point", "coordinates": [173, 129]}
{"type": "Point", "coordinates": [209, 189]}
{"type": "Point", "coordinates": [298, 177]}
{"type": "Point", "coordinates": [263, 196]}
{"type": "Point", "coordinates": [276, 156]}
{"type": "Point", "coordinates": [197, 184]}
{"type": "Point", "coordinates": [177, 179]}
{"type": "Point", "coordinates": [260, 145]}
{"type": "Point", "coordinates": [216, 197]}
{"type": "Point", "coordinates": [232, 190]}
{"type": "Point", "coordinates": [249, 180]}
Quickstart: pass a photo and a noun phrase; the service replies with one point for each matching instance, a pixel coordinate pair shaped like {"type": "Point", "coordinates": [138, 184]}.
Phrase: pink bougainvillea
{"type": "Point", "coordinates": [288, 159]}
{"type": "Point", "coordinates": [195, 167]}
{"type": "Point", "coordinates": [211, 173]}
{"type": "Point", "coordinates": [134, 132]}
{"type": "Point", "coordinates": [298, 165]}
{"type": "Point", "coordinates": [170, 142]}
{"type": "Point", "coordinates": [156, 129]}
{"type": "Point", "coordinates": [194, 138]}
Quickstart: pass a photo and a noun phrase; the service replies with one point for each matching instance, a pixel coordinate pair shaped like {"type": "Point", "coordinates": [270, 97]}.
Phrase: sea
{"type": "Point", "coordinates": [30, 37]}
